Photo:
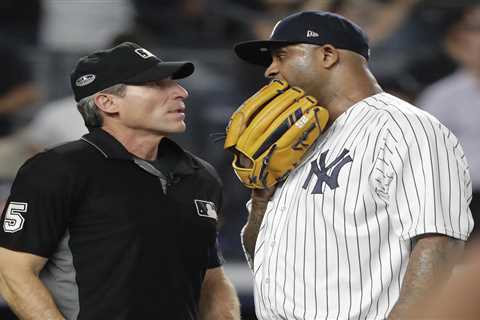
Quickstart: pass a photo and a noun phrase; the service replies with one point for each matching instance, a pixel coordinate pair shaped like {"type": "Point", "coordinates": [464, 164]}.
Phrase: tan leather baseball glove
{"type": "Point", "coordinates": [273, 129]}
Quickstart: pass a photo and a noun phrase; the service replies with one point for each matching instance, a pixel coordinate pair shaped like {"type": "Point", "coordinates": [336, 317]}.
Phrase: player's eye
{"type": "Point", "coordinates": [280, 56]}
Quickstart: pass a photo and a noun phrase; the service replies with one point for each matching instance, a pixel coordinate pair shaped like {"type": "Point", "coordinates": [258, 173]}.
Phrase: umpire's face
{"type": "Point", "coordinates": [154, 107]}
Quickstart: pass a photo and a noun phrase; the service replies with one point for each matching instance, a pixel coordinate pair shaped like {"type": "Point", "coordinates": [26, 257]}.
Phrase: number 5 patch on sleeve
{"type": "Point", "coordinates": [14, 219]}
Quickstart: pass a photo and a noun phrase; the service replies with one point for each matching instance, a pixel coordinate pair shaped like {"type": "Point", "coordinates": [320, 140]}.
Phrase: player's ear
{"type": "Point", "coordinates": [328, 55]}
{"type": "Point", "coordinates": [106, 102]}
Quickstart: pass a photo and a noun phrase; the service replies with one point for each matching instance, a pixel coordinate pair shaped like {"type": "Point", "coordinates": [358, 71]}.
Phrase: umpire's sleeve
{"type": "Point", "coordinates": [37, 211]}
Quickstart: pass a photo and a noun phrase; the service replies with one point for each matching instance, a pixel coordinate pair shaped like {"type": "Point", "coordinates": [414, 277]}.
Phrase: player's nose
{"type": "Point", "coordinates": [272, 71]}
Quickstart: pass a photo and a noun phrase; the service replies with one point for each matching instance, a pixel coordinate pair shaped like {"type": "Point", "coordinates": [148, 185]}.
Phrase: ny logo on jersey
{"type": "Point", "coordinates": [322, 171]}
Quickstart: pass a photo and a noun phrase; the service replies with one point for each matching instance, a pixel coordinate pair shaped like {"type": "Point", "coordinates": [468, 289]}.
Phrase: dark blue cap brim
{"type": "Point", "coordinates": [259, 52]}
{"type": "Point", "coordinates": [163, 70]}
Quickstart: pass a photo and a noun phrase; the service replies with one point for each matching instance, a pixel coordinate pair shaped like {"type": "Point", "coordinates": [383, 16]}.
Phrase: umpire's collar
{"type": "Point", "coordinates": [111, 148]}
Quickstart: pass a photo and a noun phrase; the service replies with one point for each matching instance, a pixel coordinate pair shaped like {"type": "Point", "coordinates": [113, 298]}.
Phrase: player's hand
{"type": "Point", "coordinates": [259, 196]}
{"type": "Point", "coordinates": [243, 161]}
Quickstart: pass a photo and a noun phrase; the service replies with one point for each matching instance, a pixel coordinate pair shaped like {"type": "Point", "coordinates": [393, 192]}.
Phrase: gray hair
{"type": "Point", "coordinates": [89, 110]}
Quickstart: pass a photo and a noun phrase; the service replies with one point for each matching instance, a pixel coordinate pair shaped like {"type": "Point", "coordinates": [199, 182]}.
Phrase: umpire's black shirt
{"type": "Point", "coordinates": [125, 238]}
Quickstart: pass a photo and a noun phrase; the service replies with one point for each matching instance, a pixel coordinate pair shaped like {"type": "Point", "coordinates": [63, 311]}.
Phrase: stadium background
{"type": "Point", "coordinates": [41, 41]}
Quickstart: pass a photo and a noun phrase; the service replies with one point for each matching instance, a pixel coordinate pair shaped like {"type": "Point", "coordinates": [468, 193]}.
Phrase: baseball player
{"type": "Point", "coordinates": [95, 228]}
{"type": "Point", "coordinates": [376, 213]}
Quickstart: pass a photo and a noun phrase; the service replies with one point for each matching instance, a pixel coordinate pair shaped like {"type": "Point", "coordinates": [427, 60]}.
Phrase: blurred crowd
{"type": "Point", "coordinates": [426, 51]}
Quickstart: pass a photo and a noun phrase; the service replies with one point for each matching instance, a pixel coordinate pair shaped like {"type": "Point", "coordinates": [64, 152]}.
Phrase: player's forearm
{"type": "Point", "coordinates": [430, 266]}
{"type": "Point", "coordinates": [27, 297]}
{"type": "Point", "coordinates": [219, 301]}
{"type": "Point", "coordinates": [252, 228]}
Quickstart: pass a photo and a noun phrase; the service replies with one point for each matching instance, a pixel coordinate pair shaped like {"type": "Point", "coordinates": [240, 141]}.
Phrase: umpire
{"type": "Point", "coordinates": [120, 224]}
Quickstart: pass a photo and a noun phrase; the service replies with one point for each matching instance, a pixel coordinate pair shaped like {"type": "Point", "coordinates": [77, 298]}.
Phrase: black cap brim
{"type": "Point", "coordinates": [259, 52]}
{"type": "Point", "coordinates": [163, 70]}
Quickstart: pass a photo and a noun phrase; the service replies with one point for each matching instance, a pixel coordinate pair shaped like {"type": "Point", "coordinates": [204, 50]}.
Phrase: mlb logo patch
{"type": "Point", "coordinates": [206, 209]}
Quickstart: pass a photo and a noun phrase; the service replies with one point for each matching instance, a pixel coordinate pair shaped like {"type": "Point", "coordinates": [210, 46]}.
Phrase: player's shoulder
{"type": "Point", "coordinates": [400, 113]}
{"type": "Point", "coordinates": [412, 125]}
{"type": "Point", "coordinates": [392, 106]}
{"type": "Point", "coordinates": [407, 123]}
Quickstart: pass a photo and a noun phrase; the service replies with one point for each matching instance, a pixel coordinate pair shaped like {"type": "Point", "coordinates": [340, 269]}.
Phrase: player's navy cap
{"type": "Point", "coordinates": [312, 27]}
{"type": "Point", "coordinates": [126, 63]}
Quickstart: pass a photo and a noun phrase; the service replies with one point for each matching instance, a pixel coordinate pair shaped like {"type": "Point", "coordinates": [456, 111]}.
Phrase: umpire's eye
{"type": "Point", "coordinates": [157, 83]}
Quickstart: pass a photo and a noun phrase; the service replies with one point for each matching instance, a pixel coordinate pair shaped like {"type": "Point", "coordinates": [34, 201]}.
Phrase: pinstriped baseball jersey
{"type": "Point", "coordinates": [336, 236]}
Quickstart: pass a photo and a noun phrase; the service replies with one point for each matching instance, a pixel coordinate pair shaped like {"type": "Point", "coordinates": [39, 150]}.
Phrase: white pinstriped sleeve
{"type": "Point", "coordinates": [249, 259]}
{"type": "Point", "coordinates": [425, 179]}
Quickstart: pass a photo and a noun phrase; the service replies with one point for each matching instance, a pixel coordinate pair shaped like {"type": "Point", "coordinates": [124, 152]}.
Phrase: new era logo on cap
{"type": "Point", "coordinates": [144, 53]}
{"type": "Point", "coordinates": [312, 34]}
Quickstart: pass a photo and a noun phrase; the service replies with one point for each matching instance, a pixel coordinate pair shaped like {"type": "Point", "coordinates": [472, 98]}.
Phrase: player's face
{"type": "Point", "coordinates": [296, 65]}
{"type": "Point", "coordinates": [156, 107]}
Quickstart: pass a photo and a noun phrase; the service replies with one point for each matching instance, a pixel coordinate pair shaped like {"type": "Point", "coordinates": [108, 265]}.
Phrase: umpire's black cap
{"type": "Point", "coordinates": [312, 27]}
{"type": "Point", "coordinates": [126, 63]}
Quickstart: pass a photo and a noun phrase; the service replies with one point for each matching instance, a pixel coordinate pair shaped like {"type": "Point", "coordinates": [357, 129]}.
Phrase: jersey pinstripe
{"type": "Point", "coordinates": [336, 236]}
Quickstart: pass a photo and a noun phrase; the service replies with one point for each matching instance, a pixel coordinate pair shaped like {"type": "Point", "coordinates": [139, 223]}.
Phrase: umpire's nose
{"type": "Point", "coordinates": [179, 91]}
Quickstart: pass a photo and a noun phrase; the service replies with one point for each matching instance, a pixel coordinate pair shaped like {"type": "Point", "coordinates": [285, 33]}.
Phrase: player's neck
{"type": "Point", "coordinates": [351, 92]}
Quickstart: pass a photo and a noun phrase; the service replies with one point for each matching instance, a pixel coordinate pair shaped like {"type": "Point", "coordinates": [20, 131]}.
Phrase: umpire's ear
{"type": "Point", "coordinates": [106, 102]}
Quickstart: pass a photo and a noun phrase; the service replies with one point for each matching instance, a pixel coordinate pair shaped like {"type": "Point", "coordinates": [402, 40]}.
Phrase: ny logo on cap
{"type": "Point", "coordinates": [144, 53]}
{"type": "Point", "coordinates": [312, 34]}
